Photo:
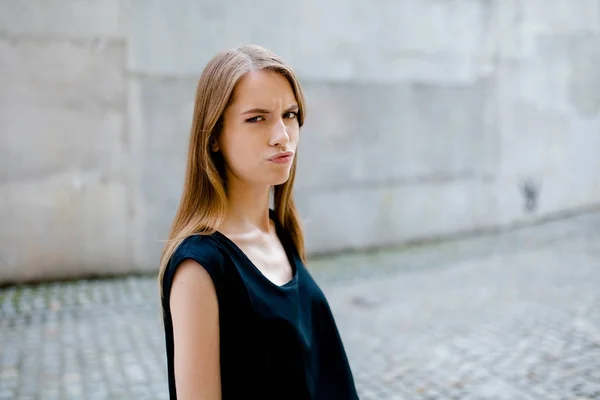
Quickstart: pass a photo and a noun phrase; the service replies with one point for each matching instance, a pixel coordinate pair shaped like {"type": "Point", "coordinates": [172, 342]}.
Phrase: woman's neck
{"type": "Point", "coordinates": [247, 208]}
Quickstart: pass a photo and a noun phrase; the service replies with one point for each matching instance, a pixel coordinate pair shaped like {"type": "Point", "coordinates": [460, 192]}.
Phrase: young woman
{"type": "Point", "coordinates": [243, 318]}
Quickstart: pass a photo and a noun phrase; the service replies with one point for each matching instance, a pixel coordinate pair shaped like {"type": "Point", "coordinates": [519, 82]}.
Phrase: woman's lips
{"type": "Point", "coordinates": [282, 158]}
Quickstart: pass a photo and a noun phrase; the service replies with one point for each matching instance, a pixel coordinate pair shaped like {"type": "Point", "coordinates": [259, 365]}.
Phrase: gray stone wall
{"type": "Point", "coordinates": [425, 118]}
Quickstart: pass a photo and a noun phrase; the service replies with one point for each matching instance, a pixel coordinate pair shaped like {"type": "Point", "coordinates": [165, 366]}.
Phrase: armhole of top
{"type": "Point", "coordinates": [199, 250]}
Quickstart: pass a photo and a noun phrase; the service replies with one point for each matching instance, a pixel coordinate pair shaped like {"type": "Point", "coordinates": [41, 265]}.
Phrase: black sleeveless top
{"type": "Point", "coordinates": [276, 342]}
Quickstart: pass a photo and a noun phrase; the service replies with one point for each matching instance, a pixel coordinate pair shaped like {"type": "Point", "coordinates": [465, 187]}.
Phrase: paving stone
{"type": "Point", "coordinates": [508, 316]}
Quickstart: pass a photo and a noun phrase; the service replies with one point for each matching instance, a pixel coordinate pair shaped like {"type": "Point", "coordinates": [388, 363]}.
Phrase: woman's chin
{"type": "Point", "coordinates": [280, 179]}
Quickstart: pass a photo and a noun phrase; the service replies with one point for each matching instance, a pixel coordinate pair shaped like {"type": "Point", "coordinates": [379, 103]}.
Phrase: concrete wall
{"type": "Point", "coordinates": [426, 117]}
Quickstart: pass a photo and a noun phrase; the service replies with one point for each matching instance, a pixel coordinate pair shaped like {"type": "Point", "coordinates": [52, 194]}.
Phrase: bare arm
{"type": "Point", "coordinates": [195, 314]}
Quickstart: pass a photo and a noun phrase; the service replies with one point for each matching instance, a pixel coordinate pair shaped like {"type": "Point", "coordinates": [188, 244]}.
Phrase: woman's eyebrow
{"type": "Point", "coordinates": [257, 111]}
{"type": "Point", "coordinates": [293, 107]}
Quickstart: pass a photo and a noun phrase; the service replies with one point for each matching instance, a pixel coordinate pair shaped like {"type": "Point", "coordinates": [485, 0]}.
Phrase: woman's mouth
{"type": "Point", "coordinates": [282, 158]}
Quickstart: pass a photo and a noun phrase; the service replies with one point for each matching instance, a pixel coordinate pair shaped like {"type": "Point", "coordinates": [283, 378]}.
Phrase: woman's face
{"type": "Point", "coordinates": [260, 130]}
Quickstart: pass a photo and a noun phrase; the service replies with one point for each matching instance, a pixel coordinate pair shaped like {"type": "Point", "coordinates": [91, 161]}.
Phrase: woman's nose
{"type": "Point", "coordinates": [279, 134]}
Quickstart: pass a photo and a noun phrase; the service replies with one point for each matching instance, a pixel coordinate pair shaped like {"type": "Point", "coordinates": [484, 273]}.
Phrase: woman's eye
{"type": "Point", "coordinates": [255, 119]}
{"type": "Point", "coordinates": [291, 114]}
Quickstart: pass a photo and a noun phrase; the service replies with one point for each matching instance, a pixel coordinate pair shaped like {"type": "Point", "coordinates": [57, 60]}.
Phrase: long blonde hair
{"type": "Point", "coordinates": [203, 201]}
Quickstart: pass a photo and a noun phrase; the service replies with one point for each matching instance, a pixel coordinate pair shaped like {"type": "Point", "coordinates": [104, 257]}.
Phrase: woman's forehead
{"type": "Point", "coordinates": [262, 88]}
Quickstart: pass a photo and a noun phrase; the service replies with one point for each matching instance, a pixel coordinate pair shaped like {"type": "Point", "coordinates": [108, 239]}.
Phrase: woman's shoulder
{"type": "Point", "coordinates": [199, 246]}
{"type": "Point", "coordinates": [204, 250]}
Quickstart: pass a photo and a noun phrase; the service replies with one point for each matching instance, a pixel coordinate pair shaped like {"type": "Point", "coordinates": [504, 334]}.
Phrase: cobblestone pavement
{"type": "Point", "coordinates": [507, 316]}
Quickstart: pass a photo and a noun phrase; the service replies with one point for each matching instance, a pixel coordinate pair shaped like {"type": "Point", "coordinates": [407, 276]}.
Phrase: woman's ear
{"type": "Point", "coordinates": [214, 145]}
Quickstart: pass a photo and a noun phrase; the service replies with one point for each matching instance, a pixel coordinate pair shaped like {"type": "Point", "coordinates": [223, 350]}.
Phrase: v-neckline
{"type": "Point", "coordinates": [289, 255]}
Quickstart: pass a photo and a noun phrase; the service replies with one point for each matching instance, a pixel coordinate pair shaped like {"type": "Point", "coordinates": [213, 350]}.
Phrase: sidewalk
{"type": "Point", "coordinates": [508, 316]}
